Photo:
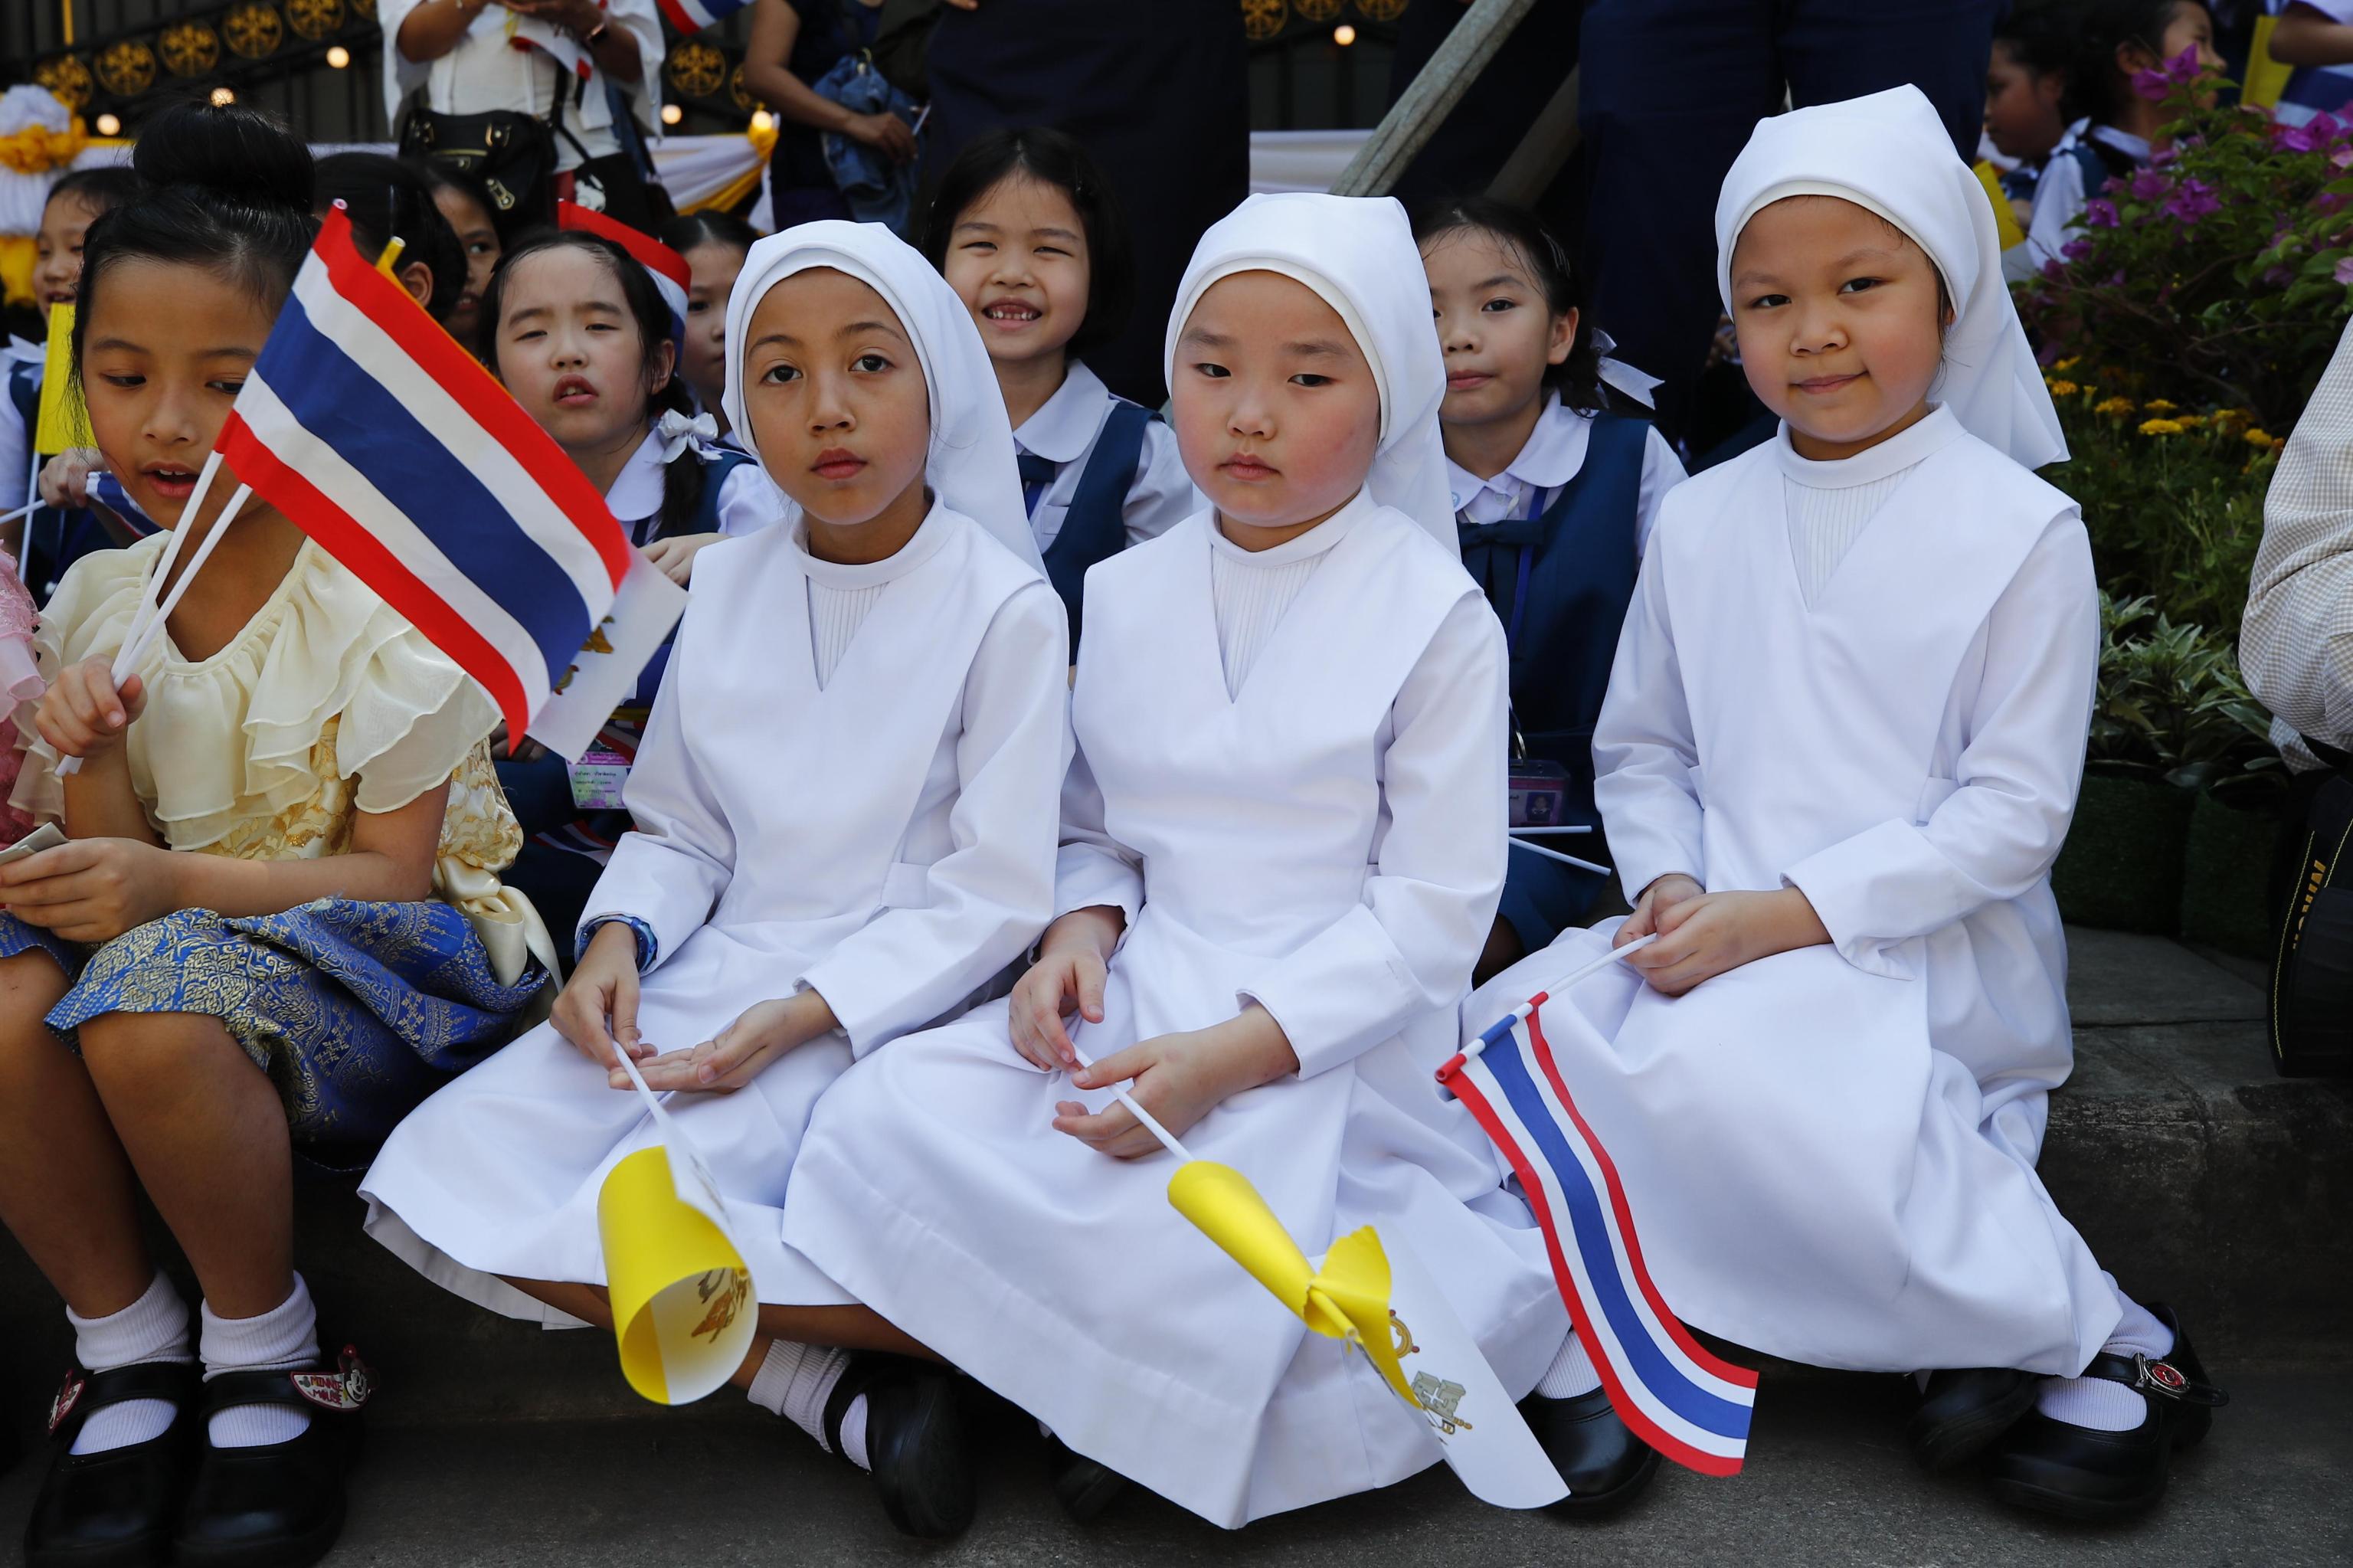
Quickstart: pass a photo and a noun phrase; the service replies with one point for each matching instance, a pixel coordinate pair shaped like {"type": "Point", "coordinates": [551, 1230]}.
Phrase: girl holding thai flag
{"type": "Point", "coordinates": [252, 943]}
{"type": "Point", "coordinates": [845, 826]}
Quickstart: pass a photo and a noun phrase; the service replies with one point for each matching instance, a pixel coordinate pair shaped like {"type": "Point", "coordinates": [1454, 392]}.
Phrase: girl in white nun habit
{"type": "Point", "coordinates": [845, 825]}
{"type": "Point", "coordinates": [1282, 845]}
{"type": "Point", "coordinates": [1839, 754]}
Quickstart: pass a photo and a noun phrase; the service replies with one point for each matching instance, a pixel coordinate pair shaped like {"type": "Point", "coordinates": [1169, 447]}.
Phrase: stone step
{"type": "Point", "coordinates": [2198, 1176]}
{"type": "Point", "coordinates": [1826, 1484]}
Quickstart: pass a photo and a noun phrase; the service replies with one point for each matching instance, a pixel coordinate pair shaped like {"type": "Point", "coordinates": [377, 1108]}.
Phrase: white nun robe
{"type": "Point", "coordinates": [1323, 833]}
{"type": "Point", "coordinates": [1830, 1152]}
{"type": "Point", "coordinates": [881, 831]}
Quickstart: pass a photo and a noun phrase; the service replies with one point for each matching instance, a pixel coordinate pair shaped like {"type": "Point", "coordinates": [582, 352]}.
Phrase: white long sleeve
{"type": "Point", "coordinates": [670, 871]}
{"type": "Point", "coordinates": [2015, 778]}
{"type": "Point", "coordinates": [1644, 750]}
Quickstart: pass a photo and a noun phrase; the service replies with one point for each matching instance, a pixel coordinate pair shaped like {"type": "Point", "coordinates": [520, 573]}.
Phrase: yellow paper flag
{"type": "Point", "coordinates": [682, 1305]}
{"type": "Point", "coordinates": [2005, 216]}
{"type": "Point", "coordinates": [1346, 1300]}
{"type": "Point", "coordinates": [65, 420]}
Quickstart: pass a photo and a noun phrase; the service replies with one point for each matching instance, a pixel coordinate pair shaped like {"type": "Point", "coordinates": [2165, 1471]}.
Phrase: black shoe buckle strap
{"type": "Point", "coordinates": [342, 1391]}
{"type": "Point", "coordinates": [85, 1392]}
{"type": "Point", "coordinates": [2155, 1377]}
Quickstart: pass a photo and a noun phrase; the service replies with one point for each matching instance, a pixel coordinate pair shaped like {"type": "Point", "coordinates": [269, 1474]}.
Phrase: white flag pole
{"type": "Point", "coordinates": [147, 628]}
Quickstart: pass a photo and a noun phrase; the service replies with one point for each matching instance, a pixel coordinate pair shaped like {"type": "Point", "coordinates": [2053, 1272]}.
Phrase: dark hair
{"type": "Point", "coordinates": [688, 230]}
{"type": "Point", "coordinates": [224, 188]}
{"type": "Point", "coordinates": [2046, 37]}
{"type": "Point", "coordinates": [1048, 156]}
{"type": "Point", "coordinates": [682, 482]}
{"type": "Point", "coordinates": [438, 176]}
{"type": "Point", "coordinates": [2103, 27]}
{"type": "Point", "coordinates": [104, 188]}
{"type": "Point", "coordinates": [388, 199]}
{"type": "Point", "coordinates": [1577, 378]}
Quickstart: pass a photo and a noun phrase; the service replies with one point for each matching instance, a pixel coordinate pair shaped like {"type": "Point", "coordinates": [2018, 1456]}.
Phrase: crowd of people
{"type": "Point", "coordinates": [1019, 742]}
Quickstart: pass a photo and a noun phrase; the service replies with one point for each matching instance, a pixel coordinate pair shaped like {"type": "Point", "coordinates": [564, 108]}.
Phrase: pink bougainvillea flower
{"type": "Point", "coordinates": [2193, 201]}
{"type": "Point", "coordinates": [2076, 248]}
{"type": "Point", "coordinates": [2152, 85]}
{"type": "Point", "coordinates": [2184, 68]}
{"type": "Point", "coordinates": [2100, 213]}
{"type": "Point", "coordinates": [2344, 273]}
{"type": "Point", "coordinates": [2148, 184]}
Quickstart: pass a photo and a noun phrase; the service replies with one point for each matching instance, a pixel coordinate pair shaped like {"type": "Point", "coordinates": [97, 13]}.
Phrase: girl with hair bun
{"type": "Point", "coordinates": [254, 943]}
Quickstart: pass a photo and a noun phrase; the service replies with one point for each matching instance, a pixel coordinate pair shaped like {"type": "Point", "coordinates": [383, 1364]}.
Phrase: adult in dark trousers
{"type": "Point", "coordinates": [1158, 93]}
{"type": "Point", "coordinates": [1671, 90]}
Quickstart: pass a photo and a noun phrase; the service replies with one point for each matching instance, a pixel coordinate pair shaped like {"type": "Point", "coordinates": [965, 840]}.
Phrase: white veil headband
{"type": "Point", "coordinates": [970, 468]}
{"type": "Point", "coordinates": [1357, 254]}
{"type": "Point", "coordinates": [1889, 152]}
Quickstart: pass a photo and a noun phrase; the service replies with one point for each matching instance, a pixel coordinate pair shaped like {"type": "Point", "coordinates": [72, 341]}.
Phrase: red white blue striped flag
{"type": "Point", "coordinates": [374, 432]}
{"type": "Point", "coordinates": [667, 269]}
{"type": "Point", "coordinates": [1690, 1405]}
{"type": "Point", "coordinates": [693, 16]}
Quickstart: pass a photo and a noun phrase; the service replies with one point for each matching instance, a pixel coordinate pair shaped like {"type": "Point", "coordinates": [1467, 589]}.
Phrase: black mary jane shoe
{"type": "Point", "coordinates": [914, 1441]}
{"type": "Point", "coordinates": [1605, 1465]}
{"type": "Point", "coordinates": [2079, 1473]}
{"type": "Point", "coordinates": [1083, 1487]}
{"type": "Point", "coordinates": [1963, 1411]}
{"type": "Point", "coordinates": [113, 1508]}
{"type": "Point", "coordinates": [277, 1505]}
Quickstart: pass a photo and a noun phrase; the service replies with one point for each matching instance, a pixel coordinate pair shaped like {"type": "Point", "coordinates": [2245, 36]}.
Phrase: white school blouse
{"type": "Point", "coordinates": [1065, 428]}
{"type": "Point", "coordinates": [748, 502]}
{"type": "Point", "coordinates": [1553, 455]}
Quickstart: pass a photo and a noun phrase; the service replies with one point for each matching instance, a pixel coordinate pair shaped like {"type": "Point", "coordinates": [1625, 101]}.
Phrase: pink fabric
{"type": "Point", "coordinates": [16, 618]}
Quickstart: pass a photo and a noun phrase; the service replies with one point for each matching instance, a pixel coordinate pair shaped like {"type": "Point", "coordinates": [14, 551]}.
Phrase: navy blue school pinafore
{"type": "Point", "coordinates": [564, 848]}
{"type": "Point", "coordinates": [1560, 582]}
{"type": "Point", "coordinates": [54, 540]}
{"type": "Point", "coordinates": [1095, 528]}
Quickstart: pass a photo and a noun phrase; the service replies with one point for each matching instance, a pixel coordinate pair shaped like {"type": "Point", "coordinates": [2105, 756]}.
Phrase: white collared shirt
{"type": "Point", "coordinates": [1065, 428]}
{"type": "Point", "coordinates": [1553, 455]}
{"type": "Point", "coordinates": [747, 502]}
{"type": "Point", "coordinates": [2061, 196]}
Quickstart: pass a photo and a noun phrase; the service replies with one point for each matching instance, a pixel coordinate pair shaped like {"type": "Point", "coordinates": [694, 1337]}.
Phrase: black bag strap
{"type": "Point", "coordinates": [2341, 762]}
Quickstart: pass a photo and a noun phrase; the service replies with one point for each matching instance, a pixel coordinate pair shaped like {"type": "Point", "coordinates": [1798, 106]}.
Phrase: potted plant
{"type": "Point", "coordinates": [2171, 718]}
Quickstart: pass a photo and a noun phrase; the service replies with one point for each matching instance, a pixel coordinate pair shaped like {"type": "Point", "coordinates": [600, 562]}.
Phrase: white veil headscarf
{"type": "Point", "coordinates": [1890, 155]}
{"type": "Point", "coordinates": [1357, 254]}
{"type": "Point", "coordinates": [970, 469]}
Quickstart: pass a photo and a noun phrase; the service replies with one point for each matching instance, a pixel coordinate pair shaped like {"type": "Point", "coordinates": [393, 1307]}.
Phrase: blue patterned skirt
{"type": "Point", "coordinates": [356, 1012]}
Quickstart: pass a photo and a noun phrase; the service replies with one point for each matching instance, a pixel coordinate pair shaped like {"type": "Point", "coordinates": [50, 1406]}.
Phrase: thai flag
{"type": "Point", "coordinates": [667, 269]}
{"type": "Point", "coordinates": [108, 492]}
{"type": "Point", "coordinates": [693, 16]}
{"type": "Point", "coordinates": [1691, 1406]}
{"type": "Point", "coordinates": [373, 432]}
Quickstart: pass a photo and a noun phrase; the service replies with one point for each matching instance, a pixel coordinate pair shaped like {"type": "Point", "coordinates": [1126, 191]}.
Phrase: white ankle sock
{"type": "Point", "coordinates": [2094, 1402]}
{"type": "Point", "coordinates": [794, 1381]}
{"type": "Point", "coordinates": [1572, 1372]}
{"type": "Point", "coordinates": [153, 1329]}
{"type": "Point", "coordinates": [284, 1337]}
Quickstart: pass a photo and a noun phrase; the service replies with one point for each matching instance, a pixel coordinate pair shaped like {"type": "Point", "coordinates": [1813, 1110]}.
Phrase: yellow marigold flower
{"type": "Point", "coordinates": [2069, 363]}
{"type": "Point", "coordinates": [2161, 427]}
{"type": "Point", "coordinates": [2232, 420]}
{"type": "Point", "coordinates": [2161, 406]}
{"type": "Point", "coordinates": [2116, 406]}
{"type": "Point", "coordinates": [2063, 388]}
{"type": "Point", "coordinates": [2191, 421]}
{"type": "Point", "coordinates": [2263, 439]}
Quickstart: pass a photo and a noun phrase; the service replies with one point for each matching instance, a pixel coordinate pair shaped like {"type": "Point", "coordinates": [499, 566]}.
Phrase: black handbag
{"type": "Point", "coordinates": [514, 156]}
{"type": "Point", "coordinates": [2310, 1014]}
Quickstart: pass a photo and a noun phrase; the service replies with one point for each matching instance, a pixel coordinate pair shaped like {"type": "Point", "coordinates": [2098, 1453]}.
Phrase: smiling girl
{"type": "Point", "coordinates": [1029, 235]}
{"type": "Point", "coordinates": [1554, 497]}
{"type": "Point", "coordinates": [1838, 756]}
{"type": "Point", "coordinates": [1282, 843]}
{"type": "Point", "coordinates": [806, 881]}
{"type": "Point", "coordinates": [251, 946]}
